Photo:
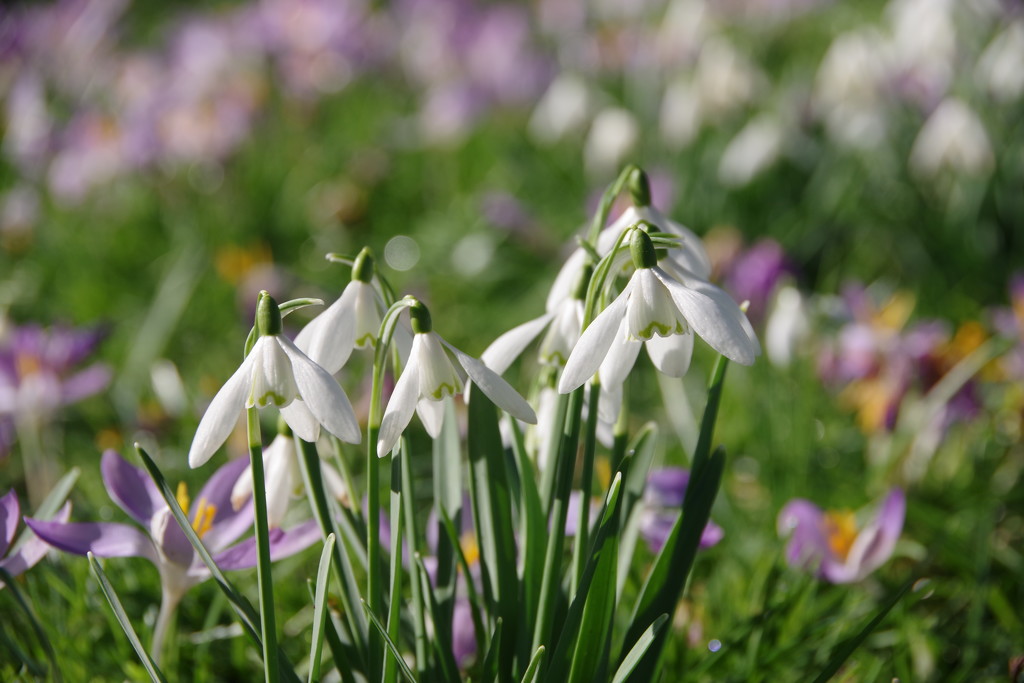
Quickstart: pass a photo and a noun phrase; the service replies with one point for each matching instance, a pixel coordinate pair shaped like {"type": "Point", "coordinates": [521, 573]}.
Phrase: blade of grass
{"type": "Point", "coordinates": [534, 668]}
{"type": "Point", "coordinates": [489, 671]}
{"type": "Point", "coordinates": [122, 618]}
{"type": "Point", "coordinates": [442, 630]}
{"type": "Point", "coordinates": [320, 609]}
{"type": "Point", "coordinates": [390, 644]}
{"type": "Point", "coordinates": [44, 641]}
{"type": "Point", "coordinates": [638, 650]}
{"type": "Point", "coordinates": [847, 647]}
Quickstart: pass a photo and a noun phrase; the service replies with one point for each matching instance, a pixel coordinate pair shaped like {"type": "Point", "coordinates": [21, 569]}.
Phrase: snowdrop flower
{"type": "Point", "coordinates": [276, 373]}
{"type": "Point", "coordinates": [788, 327]}
{"type": "Point", "coordinates": [430, 376]}
{"type": "Point", "coordinates": [663, 311]}
{"type": "Point", "coordinates": [353, 321]}
{"type": "Point", "coordinates": [953, 137]}
{"type": "Point", "coordinates": [831, 543]}
{"type": "Point", "coordinates": [691, 257]}
{"type": "Point", "coordinates": [281, 465]}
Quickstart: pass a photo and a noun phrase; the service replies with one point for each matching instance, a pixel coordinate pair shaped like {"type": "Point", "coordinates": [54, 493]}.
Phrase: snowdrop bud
{"type": "Point", "coordinates": [639, 188]}
{"type": "Point", "coordinates": [363, 266]}
{"type": "Point", "coordinates": [420, 318]}
{"type": "Point", "coordinates": [268, 316]}
{"type": "Point", "coordinates": [642, 249]}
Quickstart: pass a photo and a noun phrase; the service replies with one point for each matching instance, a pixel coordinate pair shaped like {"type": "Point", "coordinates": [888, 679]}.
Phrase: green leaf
{"type": "Point", "coordinates": [442, 630]}
{"type": "Point", "coordinates": [636, 652]}
{"type": "Point", "coordinates": [533, 530]}
{"type": "Point", "coordinates": [320, 609]}
{"type": "Point", "coordinates": [9, 583]}
{"type": "Point", "coordinates": [48, 508]}
{"type": "Point", "coordinates": [492, 513]}
{"type": "Point", "coordinates": [489, 670]}
{"type": "Point", "coordinates": [390, 644]}
{"type": "Point", "coordinates": [108, 591]}
{"type": "Point", "coordinates": [534, 668]}
{"type": "Point", "coordinates": [848, 646]}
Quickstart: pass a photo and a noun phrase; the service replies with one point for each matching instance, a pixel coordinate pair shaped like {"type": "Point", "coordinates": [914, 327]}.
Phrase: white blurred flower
{"type": "Point", "coordinates": [1000, 66]}
{"type": "Point", "coordinates": [848, 88]}
{"type": "Point", "coordinates": [613, 136]}
{"type": "Point", "coordinates": [754, 149]}
{"type": "Point", "coordinates": [562, 110]}
{"type": "Point", "coordinates": [680, 116]}
{"type": "Point", "coordinates": [725, 78]}
{"type": "Point", "coordinates": [952, 138]}
{"type": "Point", "coordinates": [788, 326]}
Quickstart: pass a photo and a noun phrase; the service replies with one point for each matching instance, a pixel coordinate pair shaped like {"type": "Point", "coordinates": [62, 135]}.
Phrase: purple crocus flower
{"type": "Point", "coordinates": [832, 543]}
{"type": "Point", "coordinates": [754, 275]}
{"type": "Point", "coordinates": [32, 549]}
{"type": "Point", "coordinates": [662, 501]}
{"type": "Point", "coordinates": [162, 541]}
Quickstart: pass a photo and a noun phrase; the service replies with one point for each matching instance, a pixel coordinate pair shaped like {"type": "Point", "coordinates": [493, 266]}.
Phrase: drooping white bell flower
{"type": "Point", "coordinates": [276, 373]}
{"type": "Point", "coordinates": [283, 478]}
{"type": "Point", "coordinates": [430, 376]}
{"type": "Point", "coordinates": [690, 256]}
{"type": "Point", "coordinates": [351, 322]}
{"type": "Point", "coordinates": [663, 312]}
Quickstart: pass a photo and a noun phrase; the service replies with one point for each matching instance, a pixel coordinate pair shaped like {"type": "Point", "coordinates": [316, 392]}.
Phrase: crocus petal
{"type": "Point", "coordinates": [463, 633]}
{"type": "Point", "coordinates": [328, 339]}
{"type": "Point", "coordinates": [322, 395]}
{"type": "Point", "coordinates": [620, 359]}
{"type": "Point", "coordinates": [593, 345]}
{"type": "Point", "coordinates": [32, 549]}
{"type": "Point", "coordinates": [874, 544]}
{"type": "Point", "coordinates": [671, 355]}
{"type": "Point", "coordinates": [498, 390]}
{"type": "Point", "coordinates": [431, 414]}
{"type": "Point", "coordinates": [92, 380]}
{"type": "Point", "coordinates": [666, 486]}
{"type": "Point", "coordinates": [400, 407]}
{"type": "Point", "coordinates": [170, 539]}
{"type": "Point", "coordinates": [10, 513]}
{"type": "Point", "coordinates": [228, 523]}
{"type": "Point", "coordinates": [505, 349]}
{"type": "Point", "coordinates": [103, 539]}
{"type": "Point", "coordinates": [131, 488]}
{"type": "Point", "coordinates": [714, 316]}
{"type": "Point", "coordinates": [221, 416]}
{"type": "Point", "coordinates": [283, 543]}
{"type": "Point", "coordinates": [297, 415]}
{"type": "Point", "coordinates": [803, 521]}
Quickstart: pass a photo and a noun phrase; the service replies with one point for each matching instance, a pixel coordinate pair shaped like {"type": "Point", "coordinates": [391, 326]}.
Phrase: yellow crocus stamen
{"type": "Point", "coordinates": [840, 531]}
{"type": "Point", "coordinates": [896, 311]}
{"type": "Point", "coordinates": [27, 364]}
{"type": "Point", "coordinates": [182, 497]}
{"type": "Point", "coordinates": [205, 513]}
{"type": "Point", "coordinates": [470, 549]}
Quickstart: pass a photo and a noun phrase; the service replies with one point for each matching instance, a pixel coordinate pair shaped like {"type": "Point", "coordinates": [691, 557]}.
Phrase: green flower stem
{"type": "Point", "coordinates": [607, 199]}
{"type": "Point", "coordinates": [409, 521]}
{"type": "Point", "coordinates": [586, 480]}
{"type": "Point", "coordinates": [547, 476]}
{"type": "Point", "coordinates": [268, 623]}
{"type": "Point", "coordinates": [565, 460]}
{"type": "Point", "coordinates": [620, 432]}
{"type": "Point", "coordinates": [395, 608]}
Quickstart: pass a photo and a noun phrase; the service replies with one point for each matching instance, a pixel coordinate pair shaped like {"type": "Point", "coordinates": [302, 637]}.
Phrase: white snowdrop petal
{"type": "Point", "coordinates": [505, 349]}
{"type": "Point", "coordinates": [322, 395]}
{"type": "Point", "coordinates": [620, 358]}
{"type": "Point", "coordinates": [714, 317]}
{"type": "Point", "coordinates": [671, 355]}
{"type": "Point", "coordinates": [367, 315]}
{"type": "Point", "coordinates": [401, 405]}
{"type": "Point", "coordinates": [222, 414]}
{"type": "Point", "coordinates": [498, 390]}
{"type": "Point", "coordinates": [431, 415]}
{"type": "Point", "coordinates": [302, 422]}
{"type": "Point", "coordinates": [438, 377]}
{"type": "Point", "coordinates": [593, 345]}
{"type": "Point", "coordinates": [691, 253]}
{"type": "Point", "coordinates": [328, 338]}
{"type": "Point", "coordinates": [273, 381]}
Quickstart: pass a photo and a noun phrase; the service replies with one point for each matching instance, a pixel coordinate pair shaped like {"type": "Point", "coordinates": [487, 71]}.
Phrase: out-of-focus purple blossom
{"type": "Point", "coordinates": [754, 275]}
{"type": "Point", "coordinates": [463, 634]}
{"type": "Point", "coordinates": [838, 546]}
{"type": "Point", "coordinates": [661, 505]}
{"type": "Point", "coordinates": [37, 371]}
{"type": "Point", "coordinates": [31, 549]}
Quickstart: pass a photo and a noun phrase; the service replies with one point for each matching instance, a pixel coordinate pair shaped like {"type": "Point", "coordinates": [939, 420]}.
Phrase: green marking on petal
{"type": "Point", "coordinates": [367, 340]}
{"type": "Point", "coordinates": [270, 398]}
{"type": "Point", "coordinates": [657, 328]}
{"type": "Point", "coordinates": [444, 390]}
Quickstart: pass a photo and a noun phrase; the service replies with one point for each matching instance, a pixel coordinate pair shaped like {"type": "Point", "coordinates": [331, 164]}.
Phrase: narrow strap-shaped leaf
{"type": "Point", "coordinates": [154, 672]}
{"type": "Point", "coordinates": [584, 634]}
{"type": "Point", "coordinates": [534, 668]}
{"type": "Point", "coordinates": [407, 494]}
{"type": "Point", "coordinates": [243, 608]}
{"type": "Point", "coordinates": [489, 672]}
{"type": "Point", "coordinates": [320, 609]}
{"type": "Point", "coordinates": [390, 644]}
{"type": "Point", "coordinates": [707, 421]}
{"type": "Point", "coordinates": [637, 465]}
{"type": "Point", "coordinates": [44, 641]}
{"type": "Point", "coordinates": [667, 579]}
{"type": "Point", "coordinates": [848, 646]}
{"type": "Point", "coordinates": [18, 654]}
{"type": "Point", "coordinates": [636, 652]}
{"type": "Point", "coordinates": [341, 652]}
{"type": "Point", "coordinates": [533, 533]}
{"type": "Point", "coordinates": [492, 512]}
{"type": "Point", "coordinates": [394, 622]}
{"type": "Point", "coordinates": [474, 597]}
{"type": "Point", "coordinates": [309, 466]}
{"type": "Point", "coordinates": [442, 632]}
{"type": "Point", "coordinates": [447, 479]}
